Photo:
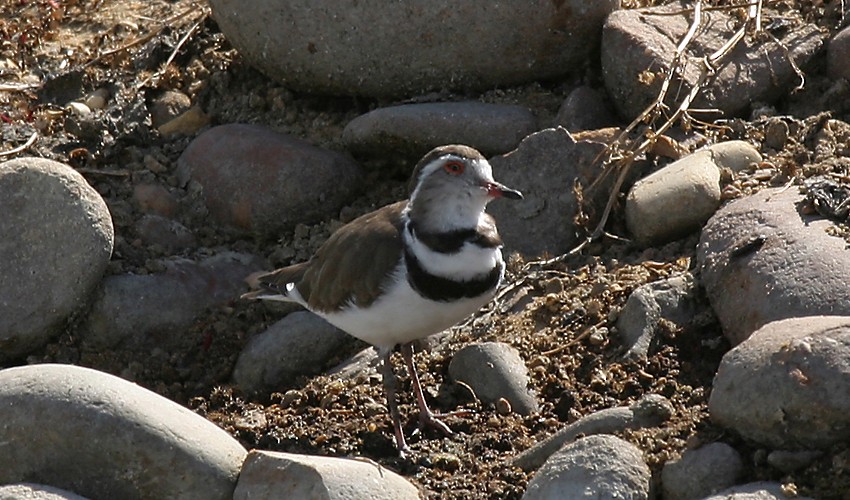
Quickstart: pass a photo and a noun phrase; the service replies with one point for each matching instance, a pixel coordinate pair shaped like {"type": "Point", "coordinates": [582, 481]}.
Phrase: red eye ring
{"type": "Point", "coordinates": [454, 167]}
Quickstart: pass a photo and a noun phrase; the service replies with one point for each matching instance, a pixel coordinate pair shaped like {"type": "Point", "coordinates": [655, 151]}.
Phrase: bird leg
{"type": "Point", "coordinates": [426, 416]}
{"type": "Point", "coordinates": [390, 386]}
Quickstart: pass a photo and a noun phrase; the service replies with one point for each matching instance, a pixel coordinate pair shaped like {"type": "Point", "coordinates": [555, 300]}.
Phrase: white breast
{"type": "Point", "coordinates": [401, 315]}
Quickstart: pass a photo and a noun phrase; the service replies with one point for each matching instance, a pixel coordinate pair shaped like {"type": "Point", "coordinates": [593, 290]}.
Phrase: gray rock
{"type": "Point", "coordinates": [636, 39]}
{"type": "Point", "coordinates": [29, 491]}
{"type": "Point", "coordinates": [169, 105]}
{"type": "Point", "coordinates": [414, 129]}
{"type": "Point", "coordinates": [762, 490]}
{"type": "Point", "coordinates": [299, 344]}
{"type": "Point", "coordinates": [737, 156]}
{"type": "Point", "coordinates": [654, 204]}
{"type": "Point", "coordinates": [790, 461]}
{"type": "Point", "coordinates": [584, 109]}
{"type": "Point", "coordinates": [103, 437]}
{"type": "Point", "coordinates": [57, 240]}
{"type": "Point", "coordinates": [701, 472]}
{"type": "Point", "coordinates": [494, 370]}
{"type": "Point", "coordinates": [649, 411]}
{"type": "Point", "coordinates": [601, 466]}
{"type": "Point", "coordinates": [255, 179]}
{"type": "Point", "coordinates": [376, 49]}
{"type": "Point", "coordinates": [788, 385]}
{"type": "Point", "coordinates": [140, 311]}
{"type": "Point", "coordinates": [837, 55]}
{"type": "Point", "coordinates": [761, 259]}
{"type": "Point", "coordinates": [166, 233]}
{"type": "Point", "coordinates": [672, 299]}
{"type": "Point", "coordinates": [269, 474]}
{"type": "Point", "coordinates": [361, 365]}
{"type": "Point", "coordinates": [545, 167]}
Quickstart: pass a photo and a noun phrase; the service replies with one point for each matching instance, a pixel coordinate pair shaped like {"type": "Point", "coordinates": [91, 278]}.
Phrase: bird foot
{"type": "Point", "coordinates": [432, 420]}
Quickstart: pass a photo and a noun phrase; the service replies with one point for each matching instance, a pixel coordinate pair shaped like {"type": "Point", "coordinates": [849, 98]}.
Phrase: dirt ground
{"type": "Point", "coordinates": [563, 327]}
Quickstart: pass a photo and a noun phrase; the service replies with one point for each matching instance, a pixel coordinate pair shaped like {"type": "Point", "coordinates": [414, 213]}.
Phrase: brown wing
{"type": "Point", "coordinates": [354, 263]}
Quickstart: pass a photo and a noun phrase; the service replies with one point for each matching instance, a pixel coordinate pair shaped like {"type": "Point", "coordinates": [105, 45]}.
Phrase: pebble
{"type": "Point", "coordinates": [299, 344]}
{"type": "Point", "coordinates": [58, 239]}
{"type": "Point", "coordinates": [257, 180]}
{"type": "Point", "coordinates": [763, 490]}
{"type": "Point", "coordinates": [30, 491]}
{"type": "Point", "coordinates": [701, 472]}
{"type": "Point", "coordinates": [543, 220]}
{"type": "Point", "coordinates": [788, 385]}
{"type": "Point", "coordinates": [653, 214]}
{"type": "Point", "coordinates": [187, 123]}
{"type": "Point", "coordinates": [649, 411]}
{"type": "Point", "coordinates": [747, 241]}
{"type": "Point", "coordinates": [97, 99]}
{"type": "Point", "coordinates": [837, 55]}
{"type": "Point", "coordinates": [100, 436]}
{"type": "Point", "coordinates": [494, 370]}
{"type": "Point", "coordinates": [168, 234]}
{"type": "Point", "coordinates": [415, 129]}
{"type": "Point", "coordinates": [584, 108]}
{"type": "Point", "coordinates": [635, 39]}
{"type": "Point", "coordinates": [155, 199]}
{"type": "Point", "coordinates": [371, 48]}
{"type": "Point", "coordinates": [600, 466]}
{"type": "Point", "coordinates": [673, 299]}
{"type": "Point", "coordinates": [790, 461]}
{"type": "Point", "coordinates": [653, 206]}
{"type": "Point", "coordinates": [269, 474]}
{"type": "Point", "coordinates": [168, 106]}
{"type": "Point", "coordinates": [147, 311]}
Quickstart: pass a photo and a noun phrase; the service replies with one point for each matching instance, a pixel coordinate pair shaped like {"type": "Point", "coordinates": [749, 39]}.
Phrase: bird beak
{"type": "Point", "coordinates": [497, 190]}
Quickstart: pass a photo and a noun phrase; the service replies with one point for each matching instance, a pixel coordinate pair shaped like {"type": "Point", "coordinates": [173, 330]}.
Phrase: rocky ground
{"type": "Point", "coordinates": [563, 321]}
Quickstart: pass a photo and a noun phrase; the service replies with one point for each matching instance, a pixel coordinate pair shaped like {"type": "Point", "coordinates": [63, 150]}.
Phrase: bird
{"type": "Point", "coordinates": [407, 270]}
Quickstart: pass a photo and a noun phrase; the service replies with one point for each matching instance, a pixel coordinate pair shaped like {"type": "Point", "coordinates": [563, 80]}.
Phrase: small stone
{"type": "Point", "coordinates": [601, 466]}
{"type": "Point", "coordinates": [503, 407]}
{"type": "Point", "coordinates": [269, 474]}
{"type": "Point", "coordinates": [653, 205]}
{"type": "Point", "coordinates": [494, 370]}
{"type": "Point", "coordinates": [79, 109]}
{"type": "Point", "coordinates": [257, 180]}
{"type": "Point", "coordinates": [837, 55]}
{"type": "Point", "coordinates": [776, 134]}
{"type": "Point", "coordinates": [155, 199]}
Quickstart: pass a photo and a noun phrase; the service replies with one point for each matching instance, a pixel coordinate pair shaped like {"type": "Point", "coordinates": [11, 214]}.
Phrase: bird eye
{"type": "Point", "coordinates": [453, 167]}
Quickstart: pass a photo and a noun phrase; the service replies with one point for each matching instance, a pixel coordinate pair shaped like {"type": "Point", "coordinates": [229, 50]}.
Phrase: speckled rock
{"type": "Point", "coordinates": [415, 129]}
{"type": "Point", "coordinates": [149, 310]}
{"type": "Point", "coordinates": [268, 474]}
{"type": "Point", "coordinates": [494, 370]}
{"type": "Point", "coordinates": [601, 466]}
{"type": "Point", "coordinates": [635, 39]}
{"type": "Point", "coordinates": [701, 472]}
{"type": "Point", "coordinates": [30, 491]}
{"type": "Point", "coordinates": [747, 241]}
{"type": "Point", "coordinates": [299, 344]}
{"type": "Point", "coordinates": [545, 167]}
{"type": "Point", "coordinates": [254, 179]}
{"type": "Point", "coordinates": [376, 49]}
{"type": "Point", "coordinates": [788, 385]}
{"type": "Point", "coordinates": [103, 437]}
{"type": "Point", "coordinates": [57, 240]}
